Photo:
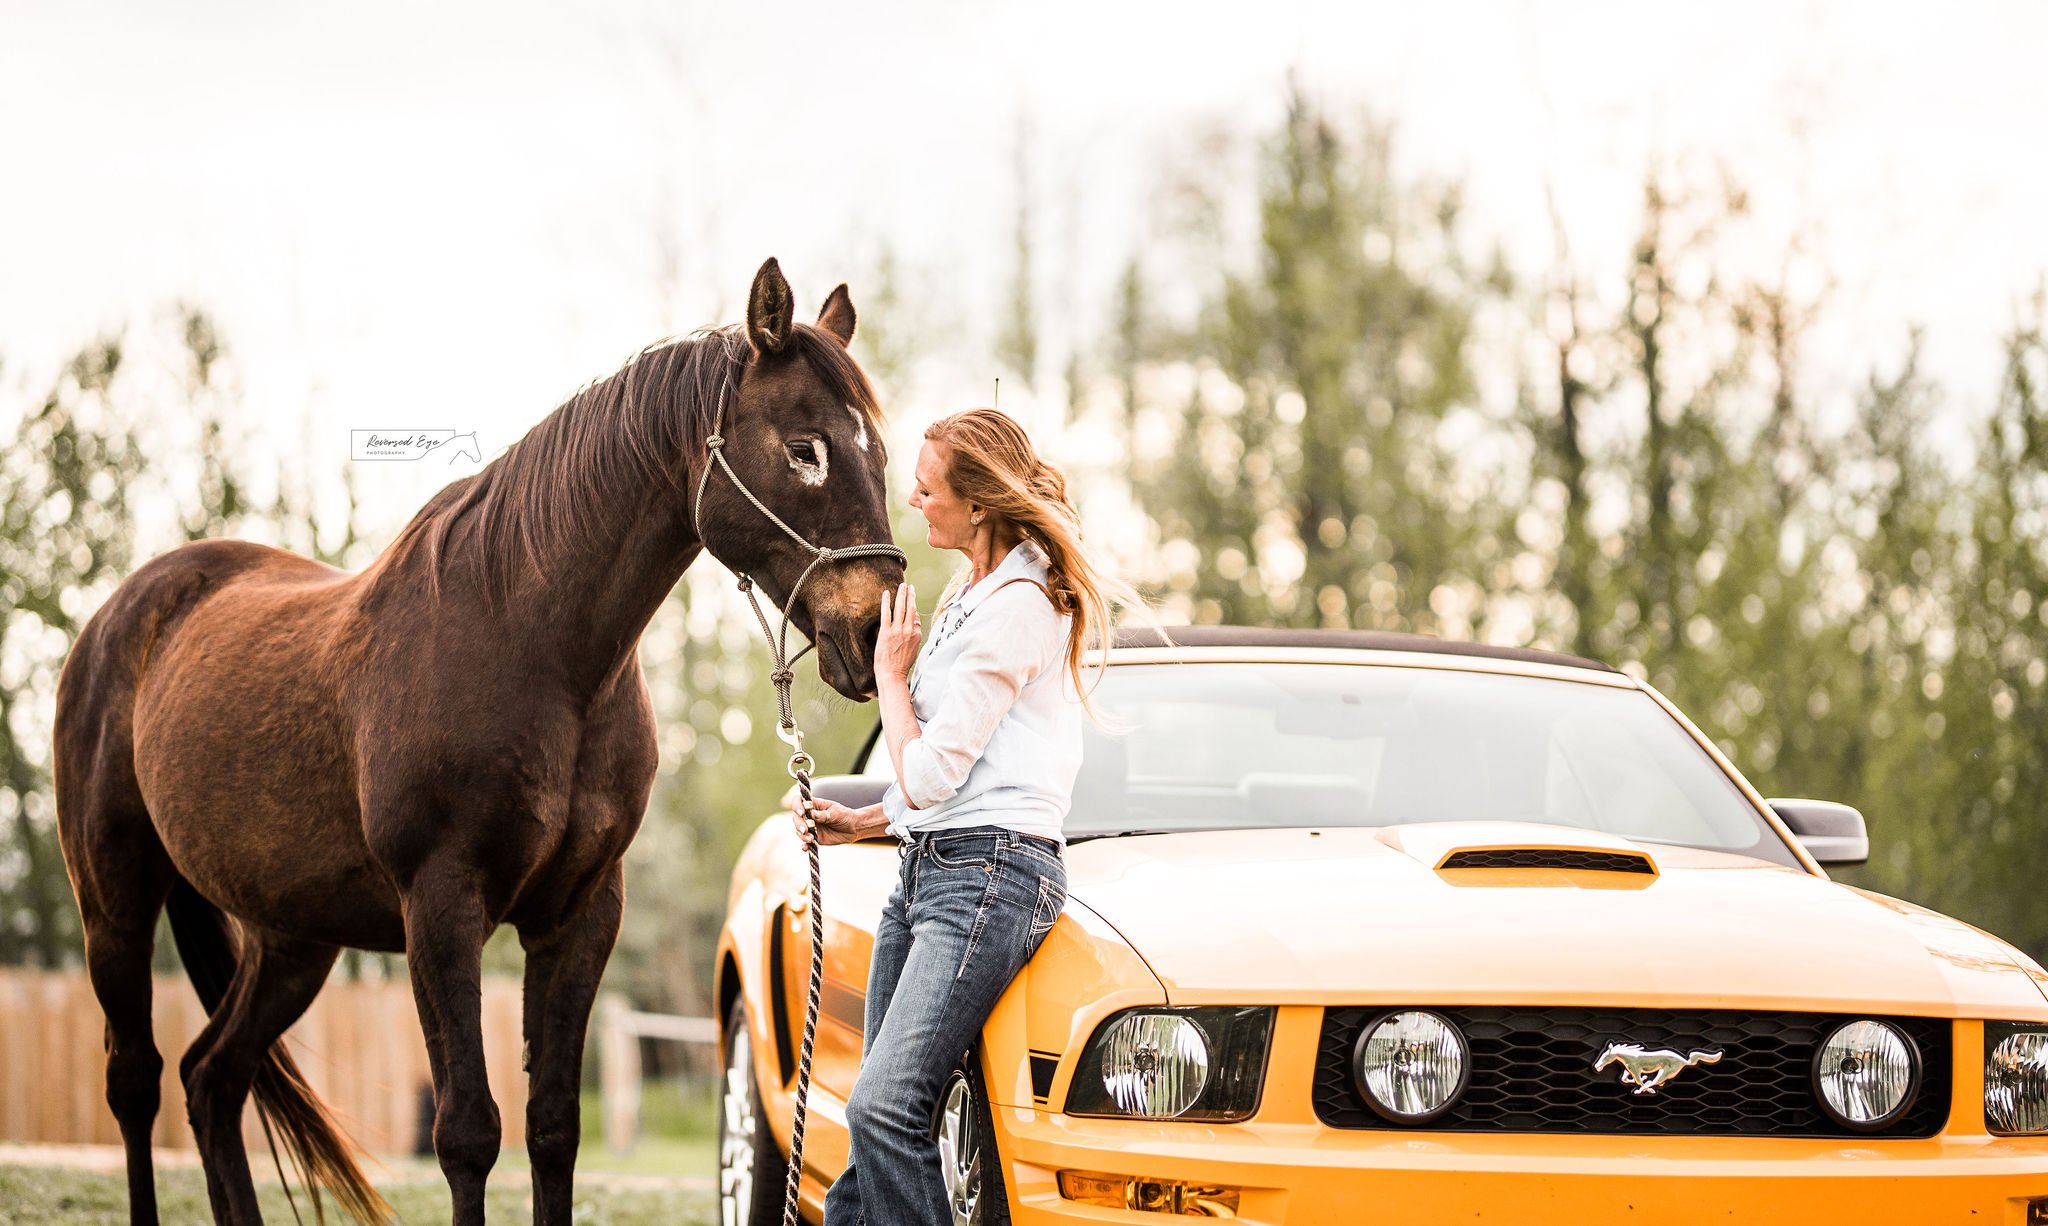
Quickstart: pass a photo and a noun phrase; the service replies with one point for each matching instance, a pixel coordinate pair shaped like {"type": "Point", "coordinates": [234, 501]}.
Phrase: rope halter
{"type": "Point", "coordinates": [800, 764]}
{"type": "Point", "coordinates": [778, 640]}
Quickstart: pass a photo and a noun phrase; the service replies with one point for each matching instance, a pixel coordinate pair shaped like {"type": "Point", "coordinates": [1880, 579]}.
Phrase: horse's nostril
{"type": "Point", "coordinates": [869, 634]}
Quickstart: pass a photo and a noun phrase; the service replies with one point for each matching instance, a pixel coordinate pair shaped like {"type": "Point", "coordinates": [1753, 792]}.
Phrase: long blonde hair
{"type": "Point", "coordinates": [991, 463]}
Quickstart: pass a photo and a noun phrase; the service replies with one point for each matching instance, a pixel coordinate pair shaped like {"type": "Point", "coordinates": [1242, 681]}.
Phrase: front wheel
{"type": "Point", "coordinates": [752, 1172]}
{"type": "Point", "coordinates": [968, 1163]}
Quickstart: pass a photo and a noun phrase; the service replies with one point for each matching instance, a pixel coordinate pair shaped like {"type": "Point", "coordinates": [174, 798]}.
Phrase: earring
{"type": "Point", "coordinates": [975, 518]}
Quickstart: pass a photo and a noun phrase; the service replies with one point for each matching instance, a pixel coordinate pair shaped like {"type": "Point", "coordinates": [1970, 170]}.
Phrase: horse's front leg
{"type": "Point", "coordinates": [445, 928]}
{"type": "Point", "coordinates": [563, 967]}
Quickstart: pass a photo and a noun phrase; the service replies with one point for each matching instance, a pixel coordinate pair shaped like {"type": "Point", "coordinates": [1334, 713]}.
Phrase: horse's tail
{"type": "Point", "coordinates": [294, 1115]}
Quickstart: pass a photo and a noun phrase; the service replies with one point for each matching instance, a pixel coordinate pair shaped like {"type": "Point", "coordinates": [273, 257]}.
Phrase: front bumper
{"type": "Point", "coordinates": [1306, 1173]}
{"type": "Point", "coordinates": [1291, 1168]}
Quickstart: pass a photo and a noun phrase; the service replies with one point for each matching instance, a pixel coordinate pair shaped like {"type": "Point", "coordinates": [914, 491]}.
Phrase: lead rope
{"type": "Point", "coordinates": [800, 763]}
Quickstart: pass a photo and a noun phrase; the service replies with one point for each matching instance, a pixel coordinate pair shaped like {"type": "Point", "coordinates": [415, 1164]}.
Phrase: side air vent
{"type": "Point", "coordinates": [1550, 857]}
{"type": "Point", "coordinates": [1043, 1066]}
{"type": "Point", "coordinates": [778, 997]}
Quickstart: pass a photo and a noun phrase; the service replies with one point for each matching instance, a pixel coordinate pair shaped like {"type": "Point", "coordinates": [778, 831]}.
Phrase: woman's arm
{"type": "Point", "coordinates": [836, 822]}
{"type": "Point", "coordinates": [895, 653]}
{"type": "Point", "coordinates": [899, 724]}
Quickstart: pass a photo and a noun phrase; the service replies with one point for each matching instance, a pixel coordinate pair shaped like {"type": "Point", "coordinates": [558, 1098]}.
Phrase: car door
{"type": "Point", "coordinates": [857, 879]}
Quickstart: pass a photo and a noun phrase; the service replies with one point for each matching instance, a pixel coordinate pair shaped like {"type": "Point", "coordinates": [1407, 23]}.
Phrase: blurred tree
{"type": "Point", "coordinates": [1314, 483]}
{"type": "Point", "coordinates": [1132, 345]}
{"type": "Point", "coordinates": [1987, 736]}
{"type": "Point", "coordinates": [1686, 464]}
{"type": "Point", "coordinates": [890, 327]}
{"type": "Point", "coordinates": [222, 491]}
{"type": "Point", "coordinates": [1870, 736]}
{"type": "Point", "coordinates": [65, 537]}
{"type": "Point", "coordinates": [1560, 451]}
{"type": "Point", "coordinates": [1017, 348]}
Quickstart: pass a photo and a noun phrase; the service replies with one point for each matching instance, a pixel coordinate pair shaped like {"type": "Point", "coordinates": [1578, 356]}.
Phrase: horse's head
{"type": "Point", "coordinates": [802, 431]}
{"type": "Point", "coordinates": [1620, 1053]}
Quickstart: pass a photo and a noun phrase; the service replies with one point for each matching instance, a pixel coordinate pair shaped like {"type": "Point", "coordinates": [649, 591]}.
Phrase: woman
{"type": "Point", "coordinates": [985, 742]}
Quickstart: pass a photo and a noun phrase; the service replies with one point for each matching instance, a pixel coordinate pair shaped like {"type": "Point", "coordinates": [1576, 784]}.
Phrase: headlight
{"type": "Point", "coordinates": [1205, 1063]}
{"type": "Point", "coordinates": [1411, 1065]}
{"type": "Point", "coordinates": [2015, 1077]}
{"type": "Point", "coordinates": [1868, 1073]}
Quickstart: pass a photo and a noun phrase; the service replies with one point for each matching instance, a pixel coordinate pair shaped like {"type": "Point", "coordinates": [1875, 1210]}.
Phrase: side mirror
{"type": "Point", "coordinates": [1830, 832]}
{"type": "Point", "coordinates": [853, 791]}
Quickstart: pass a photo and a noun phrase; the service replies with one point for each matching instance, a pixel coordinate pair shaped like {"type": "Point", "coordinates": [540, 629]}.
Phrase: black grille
{"type": "Point", "coordinates": [1538, 857]}
{"type": "Point", "coordinates": [1532, 1071]}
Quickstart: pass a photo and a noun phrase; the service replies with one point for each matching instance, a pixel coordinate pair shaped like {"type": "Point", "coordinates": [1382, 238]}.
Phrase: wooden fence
{"type": "Point", "coordinates": [619, 1033]}
{"type": "Point", "coordinates": [359, 1045]}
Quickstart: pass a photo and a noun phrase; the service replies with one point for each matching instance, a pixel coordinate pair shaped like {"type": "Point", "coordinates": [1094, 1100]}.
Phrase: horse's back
{"type": "Point", "coordinates": [169, 586]}
{"type": "Point", "coordinates": [108, 659]}
{"type": "Point", "coordinates": [93, 738]}
{"type": "Point", "coordinates": [115, 651]}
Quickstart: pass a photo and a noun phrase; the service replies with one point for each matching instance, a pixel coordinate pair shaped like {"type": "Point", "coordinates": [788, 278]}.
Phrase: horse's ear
{"type": "Point", "coordinates": [771, 310]}
{"type": "Point", "coordinates": [837, 317]}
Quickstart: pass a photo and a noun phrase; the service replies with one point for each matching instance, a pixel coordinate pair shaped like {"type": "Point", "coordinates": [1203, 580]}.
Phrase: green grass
{"type": "Point", "coordinates": [77, 1198]}
{"type": "Point", "coordinates": [678, 1135]}
{"type": "Point", "coordinates": [666, 1179]}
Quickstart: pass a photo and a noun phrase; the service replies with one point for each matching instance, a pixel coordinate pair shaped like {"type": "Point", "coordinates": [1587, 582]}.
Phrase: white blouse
{"type": "Point", "coordinates": [1000, 738]}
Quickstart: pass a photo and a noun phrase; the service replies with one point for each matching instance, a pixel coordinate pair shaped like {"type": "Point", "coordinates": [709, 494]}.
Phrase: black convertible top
{"type": "Point", "coordinates": [1370, 640]}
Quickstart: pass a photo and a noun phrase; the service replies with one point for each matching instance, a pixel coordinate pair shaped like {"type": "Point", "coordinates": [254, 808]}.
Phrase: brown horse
{"type": "Point", "coordinates": [292, 759]}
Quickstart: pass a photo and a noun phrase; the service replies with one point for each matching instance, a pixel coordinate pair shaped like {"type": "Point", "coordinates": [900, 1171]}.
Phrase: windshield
{"type": "Point", "coordinates": [1217, 746]}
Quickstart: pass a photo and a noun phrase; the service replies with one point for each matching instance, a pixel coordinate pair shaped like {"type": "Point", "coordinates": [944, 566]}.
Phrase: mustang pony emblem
{"type": "Point", "coordinates": [1646, 1069]}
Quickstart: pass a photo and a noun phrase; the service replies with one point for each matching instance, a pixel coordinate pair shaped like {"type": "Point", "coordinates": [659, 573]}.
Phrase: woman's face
{"type": "Point", "coordinates": [948, 518]}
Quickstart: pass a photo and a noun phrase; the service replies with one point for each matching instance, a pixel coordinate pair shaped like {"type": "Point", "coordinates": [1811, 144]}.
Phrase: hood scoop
{"type": "Point", "coordinates": [1577, 858]}
{"type": "Point", "coordinates": [1457, 847]}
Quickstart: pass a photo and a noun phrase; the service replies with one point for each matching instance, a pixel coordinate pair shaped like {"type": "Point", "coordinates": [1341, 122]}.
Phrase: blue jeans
{"type": "Point", "coordinates": [970, 908]}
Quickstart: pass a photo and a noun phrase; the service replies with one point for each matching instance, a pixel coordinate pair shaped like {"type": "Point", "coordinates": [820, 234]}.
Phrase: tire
{"type": "Point", "coordinates": [968, 1162]}
{"type": "Point", "coordinates": [752, 1170]}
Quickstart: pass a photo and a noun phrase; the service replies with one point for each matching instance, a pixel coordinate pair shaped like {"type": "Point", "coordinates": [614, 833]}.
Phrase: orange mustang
{"type": "Point", "coordinates": [1373, 928]}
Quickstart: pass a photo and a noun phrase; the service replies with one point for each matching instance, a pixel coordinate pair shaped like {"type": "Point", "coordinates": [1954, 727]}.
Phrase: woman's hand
{"type": "Point", "coordinates": [896, 647]}
{"type": "Point", "coordinates": [836, 822]}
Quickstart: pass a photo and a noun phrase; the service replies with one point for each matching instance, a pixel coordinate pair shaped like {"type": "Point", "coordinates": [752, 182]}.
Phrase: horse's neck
{"type": "Point", "coordinates": [582, 605]}
{"type": "Point", "coordinates": [568, 542]}
{"type": "Point", "coordinates": [591, 608]}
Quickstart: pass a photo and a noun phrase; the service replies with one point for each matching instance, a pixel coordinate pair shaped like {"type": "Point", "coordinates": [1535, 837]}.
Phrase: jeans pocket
{"type": "Point", "coordinates": [989, 895]}
{"type": "Point", "coordinates": [1052, 899]}
{"type": "Point", "coordinates": [965, 850]}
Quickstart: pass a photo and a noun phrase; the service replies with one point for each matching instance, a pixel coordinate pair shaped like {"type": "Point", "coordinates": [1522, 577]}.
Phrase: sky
{"type": "Point", "coordinates": [451, 215]}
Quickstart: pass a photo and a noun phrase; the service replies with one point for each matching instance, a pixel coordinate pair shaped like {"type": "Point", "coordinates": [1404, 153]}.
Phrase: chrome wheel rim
{"type": "Point", "coordinates": [959, 1151]}
{"type": "Point", "coordinates": [736, 1132]}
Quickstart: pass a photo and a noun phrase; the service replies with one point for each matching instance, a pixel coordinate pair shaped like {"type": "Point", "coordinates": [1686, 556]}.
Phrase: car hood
{"type": "Point", "coordinates": [1367, 916]}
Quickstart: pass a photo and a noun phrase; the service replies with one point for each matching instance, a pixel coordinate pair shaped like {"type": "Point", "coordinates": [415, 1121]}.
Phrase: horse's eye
{"type": "Point", "coordinates": [803, 452]}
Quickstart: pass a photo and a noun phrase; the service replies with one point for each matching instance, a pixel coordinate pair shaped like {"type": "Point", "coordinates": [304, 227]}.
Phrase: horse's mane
{"type": "Point", "coordinates": [590, 464]}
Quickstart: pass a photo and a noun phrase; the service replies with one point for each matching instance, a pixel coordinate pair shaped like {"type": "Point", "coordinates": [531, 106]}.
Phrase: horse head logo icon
{"type": "Point", "coordinates": [1646, 1068]}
